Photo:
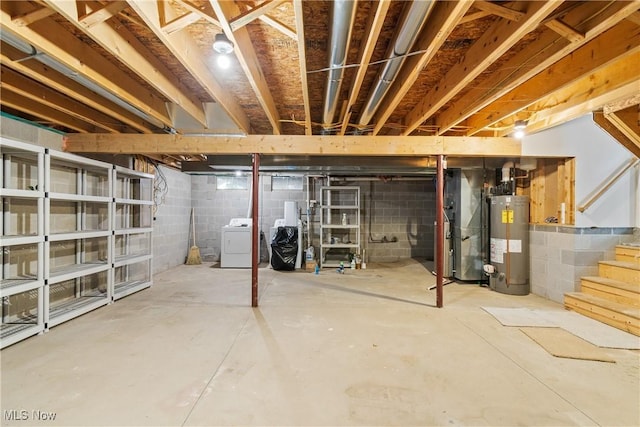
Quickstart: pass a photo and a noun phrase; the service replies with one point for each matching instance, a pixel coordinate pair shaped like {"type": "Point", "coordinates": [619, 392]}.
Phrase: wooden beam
{"type": "Point", "coordinates": [487, 100]}
{"type": "Point", "coordinates": [246, 55]}
{"type": "Point", "coordinates": [37, 92]}
{"type": "Point", "coordinates": [623, 104]}
{"type": "Point", "coordinates": [606, 85]}
{"type": "Point", "coordinates": [349, 145]}
{"type": "Point", "coordinates": [442, 21]}
{"type": "Point", "coordinates": [284, 29]}
{"type": "Point", "coordinates": [634, 17]}
{"type": "Point", "coordinates": [612, 129]}
{"type": "Point", "coordinates": [186, 50]}
{"type": "Point", "coordinates": [566, 31]}
{"type": "Point", "coordinates": [28, 18]}
{"type": "Point", "coordinates": [43, 112]}
{"type": "Point", "coordinates": [181, 22]}
{"type": "Point", "coordinates": [102, 13]}
{"type": "Point", "coordinates": [501, 11]}
{"type": "Point", "coordinates": [254, 13]}
{"type": "Point", "coordinates": [484, 52]}
{"type": "Point", "coordinates": [374, 26]}
{"type": "Point", "coordinates": [51, 38]}
{"type": "Point", "coordinates": [36, 70]}
{"type": "Point", "coordinates": [302, 62]}
{"type": "Point", "coordinates": [120, 43]}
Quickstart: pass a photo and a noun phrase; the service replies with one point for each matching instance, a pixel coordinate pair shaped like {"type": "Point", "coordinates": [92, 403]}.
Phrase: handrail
{"type": "Point", "coordinates": [595, 196]}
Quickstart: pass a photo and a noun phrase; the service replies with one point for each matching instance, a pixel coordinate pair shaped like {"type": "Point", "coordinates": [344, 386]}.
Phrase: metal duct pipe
{"type": "Point", "coordinates": [342, 18]}
{"type": "Point", "coordinates": [413, 20]}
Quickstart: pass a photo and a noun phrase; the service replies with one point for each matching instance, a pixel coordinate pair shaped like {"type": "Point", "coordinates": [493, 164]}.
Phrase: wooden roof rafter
{"type": "Point", "coordinates": [254, 13]}
{"type": "Point", "coordinates": [246, 55]}
{"type": "Point", "coordinates": [272, 22]}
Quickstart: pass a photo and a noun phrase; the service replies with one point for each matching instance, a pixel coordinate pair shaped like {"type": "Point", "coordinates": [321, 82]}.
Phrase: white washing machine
{"type": "Point", "coordinates": [236, 244]}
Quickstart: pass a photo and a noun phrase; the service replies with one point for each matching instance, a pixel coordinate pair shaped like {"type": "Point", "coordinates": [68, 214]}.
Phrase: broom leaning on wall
{"type": "Point", "coordinates": [194, 252]}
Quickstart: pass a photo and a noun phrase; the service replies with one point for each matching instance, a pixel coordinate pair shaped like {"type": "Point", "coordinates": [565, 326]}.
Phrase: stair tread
{"type": "Point", "coordinates": [613, 283]}
{"type": "Point", "coordinates": [624, 264]}
{"type": "Point", "coordinates": [604, 303]}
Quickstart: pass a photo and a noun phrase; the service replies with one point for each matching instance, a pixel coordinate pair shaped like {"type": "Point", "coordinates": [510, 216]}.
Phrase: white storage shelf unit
{"type": "Point", "coordinates": [22, 283]}
{"type": "Point", "coordinates": [339, 224]}
{"type": "Point", "coordinates": [76, 235]}
{"type": "Point", "coordinates": [132, 225]}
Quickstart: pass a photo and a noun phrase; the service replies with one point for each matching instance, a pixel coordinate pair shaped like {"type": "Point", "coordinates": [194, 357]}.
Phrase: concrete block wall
{"type": "Point", "coordinates": [171, 224]}
{"type": "Point", "coordinates": [560, 256]}
{"type": "Point", "coordinates": [215, 208]}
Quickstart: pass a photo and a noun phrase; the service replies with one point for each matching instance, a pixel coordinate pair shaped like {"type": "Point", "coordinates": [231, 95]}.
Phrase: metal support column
{"type": "Point", "coordinates": [439, 230]}
{"type": "Point", "coordinates": [254, 231]}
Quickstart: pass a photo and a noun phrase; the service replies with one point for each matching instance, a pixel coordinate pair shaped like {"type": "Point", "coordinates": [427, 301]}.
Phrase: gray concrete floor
{"type": "Point", "coordinates": [364, 348]}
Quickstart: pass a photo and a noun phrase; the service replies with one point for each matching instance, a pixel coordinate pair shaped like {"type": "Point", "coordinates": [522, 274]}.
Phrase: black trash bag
{"type": "Point", "coordinates": [284, 249]}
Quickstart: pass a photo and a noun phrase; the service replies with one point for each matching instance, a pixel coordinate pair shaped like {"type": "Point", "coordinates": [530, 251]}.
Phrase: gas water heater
{"type": "Point", "coordinates": [508, 267]}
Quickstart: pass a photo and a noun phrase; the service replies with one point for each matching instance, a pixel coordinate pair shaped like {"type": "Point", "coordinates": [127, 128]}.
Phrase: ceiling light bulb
{"type": "Point", "coordinates": [519, 134]}
{"type": "Point", "coordinates": [222, 44]}
{"type": "Point", "coordinates": [223, 61]}
{"type": "Point", "coordinates": [520, 125]}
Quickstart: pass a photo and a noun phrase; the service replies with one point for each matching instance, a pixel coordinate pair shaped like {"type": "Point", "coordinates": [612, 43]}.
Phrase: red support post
{"type": "Point", "coordinates": [439, 230]}
{"type": "Point", "coordinates": [254, 230]}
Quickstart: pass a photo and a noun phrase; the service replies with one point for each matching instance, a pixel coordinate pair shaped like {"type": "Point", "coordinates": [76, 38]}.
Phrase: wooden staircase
{"type": "Point", "coordinates": [613, 297]}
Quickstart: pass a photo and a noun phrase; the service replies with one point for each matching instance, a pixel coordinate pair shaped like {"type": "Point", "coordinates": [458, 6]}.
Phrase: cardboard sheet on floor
{"type": "Point", "coordinates": [591, 330]}
{"type": "Point", "coordinates": [561, 343]}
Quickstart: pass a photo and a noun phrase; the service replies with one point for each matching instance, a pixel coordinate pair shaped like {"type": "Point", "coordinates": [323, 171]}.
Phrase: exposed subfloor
{"type": "Point", "coordinates": [364, 348]}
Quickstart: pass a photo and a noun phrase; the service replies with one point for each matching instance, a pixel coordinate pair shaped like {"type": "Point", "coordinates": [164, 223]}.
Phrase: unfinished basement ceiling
{"type": "Point", "coordinates": [476, 67]}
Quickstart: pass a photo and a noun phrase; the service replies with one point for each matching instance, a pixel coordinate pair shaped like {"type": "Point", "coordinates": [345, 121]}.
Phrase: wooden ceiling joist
{"type": "Point", "coordinates": [487, 105]}
{"type": "Point", "coordinates": [297, 8]}
{"type": "Point", "coordinates": [442, 21]}
{"type": "Point", "coordinates": [349, 145]}
{"type": "Point", "coordinates": [246, 55]}
{"type": "Point", "coordinates": [566, 31]}
{"type": "Point", "coordinates": [28, 18]}
{"type": "Point", "coordinates": [44, 113]}
{"type": "Point", "coordinates": [186, 51]}
{"type": "Point", "coordinates": [608, 84]}
{"type": "Point", "coordinates": [11, 58]}
{"type": "Point", "coordinates": [55, 41]}
{"type": "Point", "coordinates": [181, 22]}
{"type": "Point", "coordinates": [37, 92]}
{"type": "Point", "coordinates": [498, 40]}
{"type": "Point", "coordinates": [613, 45]}
{"type": "Point", "coordinates": [119, 42]}
{"type": "Point", "coordinates": [205, 11]}
{"type": "Point", "coordinates": [374, 26]}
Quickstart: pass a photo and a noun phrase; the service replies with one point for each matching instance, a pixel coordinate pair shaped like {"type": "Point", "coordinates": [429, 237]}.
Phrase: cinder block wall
{"type": "Point", "coordinates": [404, 210]}
{"type": "Point", "coordinates": [560, 256]}
{"type": "Point", "coordinates": [171, 221]}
